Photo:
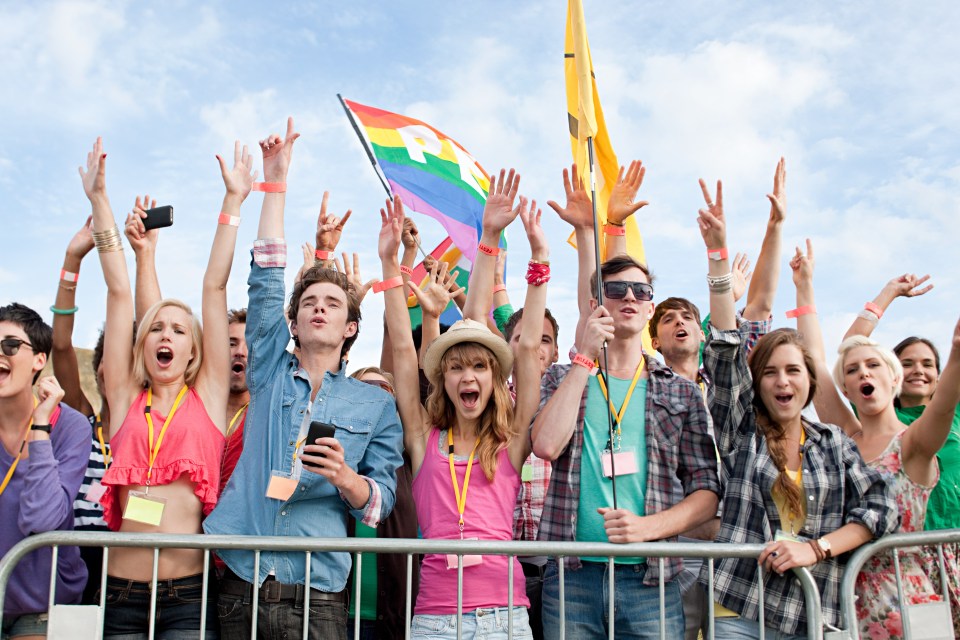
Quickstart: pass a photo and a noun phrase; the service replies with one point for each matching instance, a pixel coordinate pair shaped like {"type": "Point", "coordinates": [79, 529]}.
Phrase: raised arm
{"type": "Point", "coordinates": [928, 432]}
{"type": "Point", "coordinates": [526, 365]}
{"type": "Point", "coordinates": [276, 163]}
{"type": "Point", "coordinates": [763, 285]}
{"type": "Point", "coordinates": [830, 406]}
{"type": "Point", "coordinates": [411, 242]}
{"type": "Point", "coordinates": [65, 366]}
{"type": "Point", "coordinates": [498, 213]}
{"type": "Point", "coordinates": [713, 228]}
{"type": "Point", "coordinates": [118, 329]}
{"type": "Point", "coordinates": [329, 230]}
{"type": "Point", "coordinates": [405, 366]}
{"type": "Point", "coordinates": [621, 206]}
{"type": "Point", "coordinates": [213, 381]}
{"type": "Point", "coordinates": [440, 288]}
{"type": "Point", "coordinates": [147, 289]}
{"type": "Point", "coordinates": [908, 285]}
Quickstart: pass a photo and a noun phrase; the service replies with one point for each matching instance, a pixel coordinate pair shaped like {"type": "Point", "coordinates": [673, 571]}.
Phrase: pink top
{"type": "Point", "coordinates": [488, 515]}
{"type": "Point", "coordinates": [192, 445]}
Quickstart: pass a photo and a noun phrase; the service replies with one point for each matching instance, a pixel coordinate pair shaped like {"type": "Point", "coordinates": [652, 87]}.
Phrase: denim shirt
{"type": "Point", "coordinates": [367, 426]}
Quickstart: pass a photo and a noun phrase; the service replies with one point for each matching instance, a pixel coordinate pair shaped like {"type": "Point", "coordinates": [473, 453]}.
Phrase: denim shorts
{"type": "Point", "coordinates": [177, 615]}
{"type": "Point", "coordinates": [29, 624]}
{"type": "Point", "coordinates": [479, 624]}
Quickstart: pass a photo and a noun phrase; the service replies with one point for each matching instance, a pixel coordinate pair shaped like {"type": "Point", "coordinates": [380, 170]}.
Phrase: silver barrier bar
{"type": "Point", "coordinates": [153, 594]}
{"type": "Point", "coordinates": [763, 625]}
{"type": "Point", "coordinates": [306, 596]}
{"type": "Point", "coordinates": [256, 593]}
{"type": "Point", "coordinates": [510, 597]}
{"type": "Point", "coordinates": [563, 598]}
{"type": "Point", "coordinates": [54, 554]}
{"type": "Point", "coordinates": [611, 600]}
{"type": "Point", "coordinates": [711, 607]}
{"type": "Point", "coordinates": [103, 590]}
{"type": "Point", "coordinates": [203, 595]}
{"type": "Point", "coordinates": [409, 611]}
{"type": "Point", "coordinates": [944, 586]}
{"type": "Point", "coordinates": [357, 562]}
{"type": "Point", "coordinates": [663, 595]}
{"type": "Point", "coordinates": [459, 596]}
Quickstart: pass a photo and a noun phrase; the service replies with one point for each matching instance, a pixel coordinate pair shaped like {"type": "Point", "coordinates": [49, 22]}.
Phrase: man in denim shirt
{"type": "Point", "coordinates": [283, 486]}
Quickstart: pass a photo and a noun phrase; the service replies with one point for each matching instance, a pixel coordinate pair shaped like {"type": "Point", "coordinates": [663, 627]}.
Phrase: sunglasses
{"type": "Point", "coordinates": [383, 384]}
{"type": "Point", "coordinates": [617, 290]}
{"type": "Point", "coordinates": [10, 346]}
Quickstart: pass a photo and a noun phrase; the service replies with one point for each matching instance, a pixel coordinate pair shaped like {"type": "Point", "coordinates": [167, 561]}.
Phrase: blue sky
{"type": "Point", "coordinates": [861, 98]}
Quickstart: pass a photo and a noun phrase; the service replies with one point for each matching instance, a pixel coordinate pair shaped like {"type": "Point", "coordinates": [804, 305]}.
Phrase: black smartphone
{"type": "Point", "coordinates": [158, 217]}
{"type": "Point", "coordinates": [320, 430]}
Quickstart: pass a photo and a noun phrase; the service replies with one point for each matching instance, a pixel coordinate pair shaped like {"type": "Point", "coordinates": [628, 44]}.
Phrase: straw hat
{"type": "Point", "coordinates": [466, 331]}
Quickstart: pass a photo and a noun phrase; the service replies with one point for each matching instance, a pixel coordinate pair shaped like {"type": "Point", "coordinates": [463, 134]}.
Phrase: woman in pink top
{"type": "Point", "coordinates": [469, 443]}
{"type": "Point", "coordinates": [172, 388]}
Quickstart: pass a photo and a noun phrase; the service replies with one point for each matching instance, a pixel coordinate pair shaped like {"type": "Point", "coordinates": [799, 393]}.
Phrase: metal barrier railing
{"type": "Point", "coordinates": [410, 547]}
{"type": "Point", "coordinates": [893, 543]}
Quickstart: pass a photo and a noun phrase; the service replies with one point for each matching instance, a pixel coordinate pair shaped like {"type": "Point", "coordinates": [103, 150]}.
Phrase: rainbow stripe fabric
{"type": "Point", "coordinates": [430, 171]}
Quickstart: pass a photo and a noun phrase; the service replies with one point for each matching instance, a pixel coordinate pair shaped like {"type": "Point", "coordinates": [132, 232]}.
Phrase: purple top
{"type": "Point", "coordinates": [40, 498]}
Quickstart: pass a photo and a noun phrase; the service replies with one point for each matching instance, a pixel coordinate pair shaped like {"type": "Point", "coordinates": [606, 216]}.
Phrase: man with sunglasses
{"type": "Point", "coordinates": [44, 456]}
{"type": "Point", "coordinates": [661, 457]}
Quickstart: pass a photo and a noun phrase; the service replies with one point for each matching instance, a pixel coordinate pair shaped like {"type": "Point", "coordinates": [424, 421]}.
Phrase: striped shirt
{"type": "Point", "coordinates": [88, 516]}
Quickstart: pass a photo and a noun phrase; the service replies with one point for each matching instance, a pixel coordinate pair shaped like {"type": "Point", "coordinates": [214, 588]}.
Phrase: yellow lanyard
{"type": "Point", "coordinates": [626, 400]}
{"type": "Point", "coordinates": [103, 444]}
{"type": "Point", "coordinates": [233, 423]}
{"type": "Point", "coordinates": [461, 497]}
{"type": "Point", "coordinates": [154, 450]}
{"type": "Point", "coordinates": [296, 447]}
{"type": "Point", "coordinates": [16, 461]}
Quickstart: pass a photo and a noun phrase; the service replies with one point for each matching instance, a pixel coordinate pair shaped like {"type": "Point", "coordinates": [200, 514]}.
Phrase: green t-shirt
{"type": "Point", "coordinates": [597, 491]}
{"type": "Point", "coordinates": [943, 507]}
{"type": "Point", "coordinates": [368, 579]}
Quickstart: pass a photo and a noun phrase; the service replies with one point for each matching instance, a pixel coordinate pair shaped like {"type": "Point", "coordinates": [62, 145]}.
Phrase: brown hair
{"type": "Point", "coordinates": [496, 421]}
{"type": "Point", "coordinates": [312, 276]}
{"type": "Point", "coordinates": [616, 265]}
{"type": "Point", "coordinates": [772, 431]}
{"type": "Point", "coordinates": [671, 304]}
{"type": "Point", "coordinates": [517, 316]}
{"type": "Point", "coordinates": [386, 375]}
{"type": "Point", "coordinates": [237, 316]}
{"type": "Point", "coordinates": [196, 333]}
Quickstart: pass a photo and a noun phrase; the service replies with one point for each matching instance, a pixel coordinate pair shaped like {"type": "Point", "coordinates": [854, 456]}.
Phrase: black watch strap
{"type": "Point", "coordinates": [41, 427]}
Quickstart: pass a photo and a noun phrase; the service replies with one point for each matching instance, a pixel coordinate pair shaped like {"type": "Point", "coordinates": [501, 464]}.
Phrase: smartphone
{"type": "Point", "coordinates": [158, 217]}
{"type": "Point", "coordinates": [319, 430]}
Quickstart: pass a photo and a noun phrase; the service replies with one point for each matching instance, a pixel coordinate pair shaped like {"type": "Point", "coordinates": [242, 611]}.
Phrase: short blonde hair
{"type": "Point", "coordinates": [886, 355]}
{"type": "Point", "coordinates": [139, 363]}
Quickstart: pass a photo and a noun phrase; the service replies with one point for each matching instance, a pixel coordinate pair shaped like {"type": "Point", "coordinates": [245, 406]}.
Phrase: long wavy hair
{"type": "Point", "coordinates": [774, 432]}
{"type": "Point", "coordinates": [496, 422]}
{"type": "Point", "coordinates": [139, 371]}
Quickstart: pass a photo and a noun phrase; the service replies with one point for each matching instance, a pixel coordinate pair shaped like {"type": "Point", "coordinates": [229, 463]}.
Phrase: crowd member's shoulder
{"type": "Point", "coordinates": [69, 418]}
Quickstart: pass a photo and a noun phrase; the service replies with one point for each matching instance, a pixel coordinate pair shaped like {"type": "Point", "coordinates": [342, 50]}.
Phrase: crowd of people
{"type": "Point", "coordinates": [248, 424]}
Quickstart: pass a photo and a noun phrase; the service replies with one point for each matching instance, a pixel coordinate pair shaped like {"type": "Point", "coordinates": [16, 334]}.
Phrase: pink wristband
{"type": "Point", "coordinates": [270, 187]}
{"type": "Point", "coordinates": [499, 287]}
{"type": "Point", "coordinates": [490, 251]}
{"type": "Point", "coordinates": [226, 218]}
{"type": "Point", "coordinates": [405, 270]}
{"type": "Point", "coordinates": [717, 254]}
{"type": "Point", "coordinates": [585, 362]}
{"type": "Point", "coordinates": [391, 283]}
{"type": "Point", "coordinates": [870, 306]}
{"type": "Point", "coordinates": [320, 254]}
{"type": "Point", "coordinates": [801, 311]}
{"type": "Point", "coordinates": [614, 230]}
{"type": "Point", "coordinates": [69, 276]}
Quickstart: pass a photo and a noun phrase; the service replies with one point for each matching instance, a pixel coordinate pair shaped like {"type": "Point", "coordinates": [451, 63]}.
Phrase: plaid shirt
{"type": "Point", "coordinates": [838, 487]}
{"type": "Point", "coordinates": [680, 457]}
{"type": "Point", "coordinates": [527, 513]}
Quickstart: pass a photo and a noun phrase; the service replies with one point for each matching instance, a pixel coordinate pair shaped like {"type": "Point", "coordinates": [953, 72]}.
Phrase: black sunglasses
{"type": "Point", "coordinates": [617, 290]}
{"type": "Point", "coordinates": [10, 346]}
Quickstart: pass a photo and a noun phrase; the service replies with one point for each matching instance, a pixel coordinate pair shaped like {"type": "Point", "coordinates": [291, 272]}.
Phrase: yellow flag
{"type": "Point", "coordinates": [585, 117]}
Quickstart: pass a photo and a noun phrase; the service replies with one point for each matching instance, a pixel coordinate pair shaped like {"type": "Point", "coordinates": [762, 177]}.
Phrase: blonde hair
{"type": "Point", "coordinates": [139, 371]}
{"type": "Point", "coordinates": [496, 422]}
{"type": "Point", "coordinates": [386, 375]}
{"type": "Point", "coordinates": [886, 355]}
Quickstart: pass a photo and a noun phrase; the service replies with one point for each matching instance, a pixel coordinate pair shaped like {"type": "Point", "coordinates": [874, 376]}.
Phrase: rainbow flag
{"type": "Point", "coordinates": [430, 171]}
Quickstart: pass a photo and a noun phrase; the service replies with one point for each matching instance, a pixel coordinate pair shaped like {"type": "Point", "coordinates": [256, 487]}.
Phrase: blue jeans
{"type": "Point", "coordinates": [587, 598]}
{"type": "Point", "coordinates": [29, 624]}
{"type": "Point", "coordinates": [737, 628]}
{"type": "Point", "coordinates": [480, 624]}
{"type": "Point", "coordinates": [328, 619]}
{"type": "Point", "coordinates": [178, 609]}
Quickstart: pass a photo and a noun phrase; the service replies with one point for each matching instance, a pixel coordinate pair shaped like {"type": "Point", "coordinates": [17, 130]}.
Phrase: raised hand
{"type": "Point", "coordinates": [329, 227]}
{"type": "Point", "coordinates": [802, 265]}
{"type": "Point", "coordinates": [353, 274]}
{"type": "Point", "coordinates": [49, 394]}
{"type": "Point", "coordinates": [411, 235]}
{"type": "Point", "coordinates": [391, 228]}
{"type": "Point", "coordinates": [238, 180]}
{"type": "Point", "coordinates": [597, 330]}
{"type": "Point", "coordinates": [441, 288]}
{"type": "Point", "coordinates": [579, 209]}
{"type": "Point", "coordinates": [499, 211]}
{"type": "Point", "coordinates": [95, 177]}
{"type": "Point", "coordinates": [530, 216]}
{"type": "Point", "coordinates": [908, 286]}
{"type": "Point", "coordinates": [778, 199]}
{"type": "Point", "coordinates": [140, 239]}
{"type": "Point", "coordinates": [82, 241]}
{"type": "Point", "coordinates": [621, 204]}
{"type": "Point", "coordinates": [276, 154]}
{"type": "Point", "coordinates": [741, 275]}
{"type": "Point", "coordinates": [309, 260]}
{"type": "Point", "coordinates": [713, 224]}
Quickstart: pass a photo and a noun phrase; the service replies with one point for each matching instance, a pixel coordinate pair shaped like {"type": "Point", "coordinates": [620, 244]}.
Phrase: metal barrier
{"type": "Point", "coordinates": [410, 547]}
{"type": "Point", "coordinates": [892, 543]}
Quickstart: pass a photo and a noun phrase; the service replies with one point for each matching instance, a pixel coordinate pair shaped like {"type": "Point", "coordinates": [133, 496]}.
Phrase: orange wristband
{"type": "Point", "coordinates": [801, 311]}
{"type": "Point", "coordinates": [717, 254]}
{"type": "Point", "coordinates": [226, 218]}
{"type": "Point", "coordinates": [320, 254]}
{"type": "Point", "coordinates": [614, 230]}
{"type": "Point", "coordinates": [499, 287]}
{"type": "Point", "coordinates": [490, 251]}
{"type": "Point", "coordinates": [584, 362]}
{"type": "Point", "coordinates": [270, 187]}
{"type": "Point", "coordinates": [69, 276]}
{"type": "Point", "coordinates": [405, 270]}
{"type": "Point", "coordinates": [870, 306]}
{"type": "Point", "coordinates": [391, 283]}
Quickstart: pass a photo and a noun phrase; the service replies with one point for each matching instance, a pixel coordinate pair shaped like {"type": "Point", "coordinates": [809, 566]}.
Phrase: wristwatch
{"type": "Point", "coordinates": [824, 545]}
{"type": "Point", "coordinates": [41, 427]}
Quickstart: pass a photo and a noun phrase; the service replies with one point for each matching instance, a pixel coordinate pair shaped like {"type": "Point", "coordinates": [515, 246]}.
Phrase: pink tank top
{"type": "Point", "coordinates": [488, 515]}
{"type": "Point", "coordinates": [192, 445]}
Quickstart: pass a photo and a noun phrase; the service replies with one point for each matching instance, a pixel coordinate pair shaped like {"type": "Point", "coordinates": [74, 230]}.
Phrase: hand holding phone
{"type": "Point", "coordinates": [158, 217]}
{"type": "Point", "coordinates": [317, 430]}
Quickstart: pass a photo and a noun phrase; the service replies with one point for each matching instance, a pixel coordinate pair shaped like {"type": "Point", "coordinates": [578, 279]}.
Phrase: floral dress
{"type": "Point", "coordinates": [878, 605]}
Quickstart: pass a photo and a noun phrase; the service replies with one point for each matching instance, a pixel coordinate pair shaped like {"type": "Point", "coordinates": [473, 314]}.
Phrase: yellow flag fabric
{"type": "Point", "coordinates": [585, 117]}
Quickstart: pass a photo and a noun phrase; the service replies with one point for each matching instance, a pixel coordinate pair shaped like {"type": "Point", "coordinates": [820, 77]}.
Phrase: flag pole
{"type": "Point", "coordinates": [373, 159]}
{"type": "Point", "coordinates": [599, 284]}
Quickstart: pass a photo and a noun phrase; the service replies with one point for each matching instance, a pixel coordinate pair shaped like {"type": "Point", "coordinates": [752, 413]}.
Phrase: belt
{"type": "Point", "coordinates": [272, 591]}
{"type": "Point", "coordinates": [532, 570]}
